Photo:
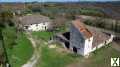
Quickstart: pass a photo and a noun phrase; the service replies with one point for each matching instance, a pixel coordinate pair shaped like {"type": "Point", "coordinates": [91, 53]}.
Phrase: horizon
{"type": "Point", "coordinates": [58, 0]}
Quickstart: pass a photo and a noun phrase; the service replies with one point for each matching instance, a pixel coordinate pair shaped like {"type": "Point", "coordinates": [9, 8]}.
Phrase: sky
{"type": "Point", "coordinates": [53, 0]}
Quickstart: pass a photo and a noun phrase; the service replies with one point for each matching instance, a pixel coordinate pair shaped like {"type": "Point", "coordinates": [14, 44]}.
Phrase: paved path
{"type": "Point", "coordinates": [33, 60]}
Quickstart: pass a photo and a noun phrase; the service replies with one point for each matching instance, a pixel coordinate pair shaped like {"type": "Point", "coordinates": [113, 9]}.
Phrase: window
{"type": "Point", "coordinates": [36, 24]}
{"type": "Point", "coordinates": [26, 27]}
{"type": "Point", "coordinates": [44, 23]}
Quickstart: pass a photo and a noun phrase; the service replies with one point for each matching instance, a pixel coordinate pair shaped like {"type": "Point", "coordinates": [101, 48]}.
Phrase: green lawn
{"type": "Point", "coordinates": [19, 50]}
{"type": "Point", "coordinates": [42, 35]}
{"type": "Point", "coordinates": [51, 58]}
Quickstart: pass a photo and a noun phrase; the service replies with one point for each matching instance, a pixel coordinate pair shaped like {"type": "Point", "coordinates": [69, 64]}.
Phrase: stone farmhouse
{"type": "Point", "coordinates": [35, 22]}
{"type": "Point", "coordinates": [83, 39]}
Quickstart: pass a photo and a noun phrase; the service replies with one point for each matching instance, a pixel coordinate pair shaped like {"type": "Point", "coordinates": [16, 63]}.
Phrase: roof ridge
{"type": "Point", "coordinates": [82, 28]}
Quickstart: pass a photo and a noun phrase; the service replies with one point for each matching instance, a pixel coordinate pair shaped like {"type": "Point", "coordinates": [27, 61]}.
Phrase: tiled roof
{"type": "Point", "coordinates": [98, 36]}
{"type": "Point", "coordinates": [81, 27]}
{"type": "Point", "coordinates": [33, 19]}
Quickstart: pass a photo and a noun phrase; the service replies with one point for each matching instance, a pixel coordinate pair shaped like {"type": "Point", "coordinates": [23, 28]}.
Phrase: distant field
{"type": "Point", "coordinates": [52, 9]}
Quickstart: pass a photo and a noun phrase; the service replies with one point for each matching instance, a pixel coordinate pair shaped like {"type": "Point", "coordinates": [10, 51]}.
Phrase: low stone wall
{"type": "Point", "coordinates": [104, 43]}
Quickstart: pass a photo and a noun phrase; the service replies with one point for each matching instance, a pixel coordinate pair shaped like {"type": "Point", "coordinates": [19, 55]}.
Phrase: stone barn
{"type": "Point", "coordinates": [82, 39]}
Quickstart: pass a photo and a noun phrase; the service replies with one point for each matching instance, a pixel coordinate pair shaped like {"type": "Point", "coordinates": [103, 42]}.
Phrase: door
{"type": "Point", "coordinates": [67, 45]}
{"type": "Point", "coordinates": [75, 49]}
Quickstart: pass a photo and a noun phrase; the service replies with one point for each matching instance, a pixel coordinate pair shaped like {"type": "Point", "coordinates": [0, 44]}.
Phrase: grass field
{"type": "Point", "coordinates": [42, 35]}
{"type": "Point", "coordinates": [21, 52]}
{"type": "Point", "coordinates": [52, 58]}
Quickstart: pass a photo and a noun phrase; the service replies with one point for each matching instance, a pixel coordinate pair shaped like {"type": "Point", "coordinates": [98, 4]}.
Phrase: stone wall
{"type": "Point", "coordinates": [76, 40]}
{"type": "Point", "coordinates": [103, 43]}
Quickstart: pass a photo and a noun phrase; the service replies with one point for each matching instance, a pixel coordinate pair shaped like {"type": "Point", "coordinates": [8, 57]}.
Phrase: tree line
{"type": "Point", "coordinates": [7, 35]}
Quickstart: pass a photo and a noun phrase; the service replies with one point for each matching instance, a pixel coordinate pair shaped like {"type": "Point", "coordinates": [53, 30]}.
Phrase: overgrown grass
{"type": "Point", "coordinates": [51, 58]}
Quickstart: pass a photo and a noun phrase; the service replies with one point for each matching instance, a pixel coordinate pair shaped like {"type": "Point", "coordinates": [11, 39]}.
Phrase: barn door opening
{"type": "Point", "coordinates": [67, 45]}
{"type": "Point", "coordinates": [75, 49]}
{"type": "Point", "coordinates": [45, 28]}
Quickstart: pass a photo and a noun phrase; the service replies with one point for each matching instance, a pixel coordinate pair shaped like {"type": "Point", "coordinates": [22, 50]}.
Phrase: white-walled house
{"type": "Point", "coordinates": [35, 22]}
{"type": "Point", "coordinates": [42, 26]}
